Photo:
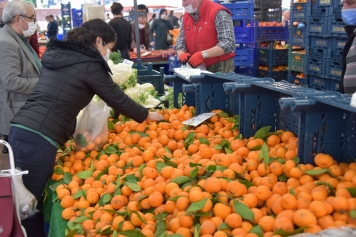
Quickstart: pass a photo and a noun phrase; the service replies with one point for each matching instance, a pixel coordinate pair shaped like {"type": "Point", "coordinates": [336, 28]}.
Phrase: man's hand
{"type": "Point", "coordinates": [184, 57]}
{"type": "Point", "coordinates": [196, 59]}
{"type": "Point", "coordinates": [155, 116]}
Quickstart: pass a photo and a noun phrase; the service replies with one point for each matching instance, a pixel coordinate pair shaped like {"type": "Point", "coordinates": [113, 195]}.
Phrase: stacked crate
{"type": "Point", "coordinates": [323, 43]}
{"type": "Point", "coordinates": [270, 10]}
{"type": "Point", "coordinates": [242, 13]}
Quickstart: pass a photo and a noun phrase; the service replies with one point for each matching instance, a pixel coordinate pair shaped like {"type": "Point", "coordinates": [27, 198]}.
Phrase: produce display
{"type": "Point", "coordinates": [169, 179]}
{"type": "Point", "coordinates": [274, 68]}
{"type": "Point", "coordinates": [275, 45]}
{"type": "Point", "coordinates": [154, 54]}
{"type": "Point", "coordinates": [175, 33]}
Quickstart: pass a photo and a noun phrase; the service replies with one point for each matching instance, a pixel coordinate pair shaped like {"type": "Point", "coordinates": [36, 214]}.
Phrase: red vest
{"type": "Point", "coordinates": [203, 35]}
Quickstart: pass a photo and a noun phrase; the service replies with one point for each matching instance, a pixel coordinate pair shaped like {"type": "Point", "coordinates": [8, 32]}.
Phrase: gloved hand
{"type": "Point", "coordinates": [155, 116]}
{"type": "Point", "coordinates": [196, 59]}
{"type": "Point", "coordinates": [184, 57]}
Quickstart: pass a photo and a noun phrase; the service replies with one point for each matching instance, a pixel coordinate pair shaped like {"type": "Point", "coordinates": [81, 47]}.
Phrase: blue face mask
{"type": "Point", "coordinates": [349, 16]}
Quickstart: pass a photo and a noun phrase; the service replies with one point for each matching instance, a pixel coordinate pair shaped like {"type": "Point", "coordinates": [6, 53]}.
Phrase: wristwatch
{"type": "Point", "coordinates": [205, 55]}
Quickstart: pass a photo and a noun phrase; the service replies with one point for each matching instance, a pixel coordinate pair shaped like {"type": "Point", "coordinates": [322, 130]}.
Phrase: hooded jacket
{"type": "Point", "coordinates": [70, 77]}
{"type": "Point", "coordinates": [350, 38]}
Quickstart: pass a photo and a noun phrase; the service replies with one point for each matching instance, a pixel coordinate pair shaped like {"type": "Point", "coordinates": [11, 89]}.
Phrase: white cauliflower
{"type": "Point", "coordinates": [123, 74]}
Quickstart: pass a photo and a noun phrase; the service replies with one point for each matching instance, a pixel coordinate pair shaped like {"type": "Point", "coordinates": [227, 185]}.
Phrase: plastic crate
{"type": "Point", "coordinates": [267, 4]}
{"type": "Point", "coordinates": [336, 28]}
{"type": "Point", "coordinates": [271, 56]}
{"type": "Point", "coordinates": [337, 46]}
{"type": "Point", "coordinates": [320, 46]}
{"type": "Point", "coordinates": [244, 34]}
{"type": "Point", "coordinates": [334, 68]}
{"type": "Point", "coordinates": [77, 17]}
{"type": "Point", "coordinates": [276, 75]}
{"type": "Point", "coordinates": [316, 66]}
{"type": "Point", "coordinates": [334, 85]}
{"type": "Point", "coordinates": [297, 61]}
{"type": "Point", "coordinates": [271, 33]}
{"type": "Point", "coordinates": [319, 83]}
{"type": "Point", "coordinates": [268, 14]}
{"type": "Point", "coordinates": [298, 36]}
{"type": "Point", "coordinates": [300, 10]}
{"type": "Point", "coordinates": [240, 10]}
{"type": "Point", "coordinates": [178, 82]}
{"type": "Point", "coordinates": [292, 78]}
{"type": "Point", "coordinates": [173, 62]}
{"type": "Point", "coordinates": [318, 25]}
{"type": "Point", "coordinates": [153, 77]}
{"type": "Point", "coordinates": [322, 3]}
{"type": "Point", "coordinates": [244, 56]}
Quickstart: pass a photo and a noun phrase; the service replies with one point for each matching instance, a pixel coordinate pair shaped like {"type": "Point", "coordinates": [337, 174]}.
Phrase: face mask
{"type": "Point", "coordinates": [190, 9]}
{"type": "Point", "coordinates": [349, 16]}
{"type": "Point", "coordinates": [32, 26]}
{"type": "Point", "coordinates": [163, 16]}
{"type": "Point", "coordinates": [141, 26]}
{"type": "Point", "coordinates": [107, 55]}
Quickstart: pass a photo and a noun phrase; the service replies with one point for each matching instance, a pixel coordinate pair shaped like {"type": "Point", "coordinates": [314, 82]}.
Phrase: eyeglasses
{"type": "Point", "coordinates": [32, 18]}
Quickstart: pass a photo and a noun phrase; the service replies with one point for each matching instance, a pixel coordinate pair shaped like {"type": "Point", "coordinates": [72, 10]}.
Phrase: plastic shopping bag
{"type": "Point", "coordinates": [91, 131]}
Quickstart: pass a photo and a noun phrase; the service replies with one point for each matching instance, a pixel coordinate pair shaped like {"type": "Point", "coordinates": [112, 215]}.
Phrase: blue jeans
{"type": "Point", "coordinates": [33, 153]}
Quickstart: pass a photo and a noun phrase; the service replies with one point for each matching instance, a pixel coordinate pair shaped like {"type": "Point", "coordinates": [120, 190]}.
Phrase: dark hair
{"type": "Point", "coordinates": [87, 33]}
{"type": "Point", "coordinates": [171, 12]}
{"type": "Point", "coordinates": [162, 11]}
{"type": "Point", "coordinates": [154, 15]}
{"type": "Point", "coordinates": [142, 7]}
{"type": "Point", "coordinates": [116, 8]}
{"type": "Point", "coordinates": [51, 16]}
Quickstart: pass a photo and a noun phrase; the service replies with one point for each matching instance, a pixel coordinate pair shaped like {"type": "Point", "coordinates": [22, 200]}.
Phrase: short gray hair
{"type": "Point", "coordinates": [141, 15]}
{"type": "Point", "coordinates": [15, 8]}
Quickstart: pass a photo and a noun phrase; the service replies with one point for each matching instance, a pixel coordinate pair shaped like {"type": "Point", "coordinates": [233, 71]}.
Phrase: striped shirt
{"type": "Point", "coordinates": [350, 73]}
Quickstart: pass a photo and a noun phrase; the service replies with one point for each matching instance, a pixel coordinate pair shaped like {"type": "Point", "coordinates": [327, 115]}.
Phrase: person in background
{"type": "Point", "coordinates": [107, 18]}
{"type": "Point", "coordinates": [173, 19]}
{"type": "Point", "coordinates": [153, 18]}
{"type": "Point", "coordinates": [122, 29]}
{"type": "Point", "coordinates": [144, 32]}
{"type": "Point", "coordinates": [213, 43]}
{"type": "Point", "coordinates": [19, 63]}
{"type": "Point", "coordinates": [161, 28]}
{"type": "Point", "coordinates": [2, 6]}
{"type": "Point", "coordinates": [33, 41]}
{"type": "Point", "coordinates": [52, 27]}
{"type": "Point", "coordinates": [74, 70]}
{"type": "Point", "coordinates": [285, 16]}
{"type": "Point", "coordinates": [348, 74]}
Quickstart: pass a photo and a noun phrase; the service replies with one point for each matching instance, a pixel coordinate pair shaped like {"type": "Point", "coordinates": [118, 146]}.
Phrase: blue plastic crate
{"type": "Point", "coordinates": [268, 14]}
{"type": "Point", "coordinates": [297, 61]}
{"type": "Point", "coordinates": [334, 85]}
{"type": "Point", "coordinates": [337, 46]}
{"type": "Point", "coordinates": [267, 4]}
{"type": "Point", "coordinates": [240, 10]}
{"type": "Point", "coordinates": [295, 78]}
{"type": "Point", "coordinates": [319, 83]}
{"type": "Point", "coordinates": [318, 25]}
{"type": "Point", "coordinates": [271, 33]}
{"type": "Point", "coordinates": [300, 10]}
{"type": "Point", "coordinates": [244, 56]}
{"type": "Point", "coordinates": [322, 10]}
{"type": "Point", "coordinates": [336, 28]}
{"type": "Point", "coordinates": [178, 82]}
{"type": "Point", "coordinates": [244, 34]}
{"type": "Point", "coordinates": [298, 37]}
{"type": "Point", "coordinates": [173, 62]}
{"type": "Point", "coordinates": [322, 3]}
{"type": "Point", "coordinates": [271, 56]}
{"type": "Point", "coordinates": [276, 75]}
{"type": "Point", "coordinates": [320, 46]}
{"type": "Point", "coordinates": [334, 68]}
{"type": "Point", "coordinates": [316, 66]}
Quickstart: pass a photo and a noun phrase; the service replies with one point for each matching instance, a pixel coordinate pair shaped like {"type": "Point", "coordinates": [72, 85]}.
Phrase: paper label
{"type": "Point", "coordinates": [195, 121]}
{"type": "Point", "coordinates": [128, 62]}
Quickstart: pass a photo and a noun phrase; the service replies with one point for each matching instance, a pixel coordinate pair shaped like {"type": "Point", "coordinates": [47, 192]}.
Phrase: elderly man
{"type": "Point", "coordinates": [19, 63]}
{"type": "Point", "coordinates": [144, 32]}
{"type": "Point", "coordinates": [207, 36]}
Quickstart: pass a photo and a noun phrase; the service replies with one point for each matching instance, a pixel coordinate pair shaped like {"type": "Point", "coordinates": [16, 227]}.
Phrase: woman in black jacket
{"type": "Point", "coordinates": [74, 70]}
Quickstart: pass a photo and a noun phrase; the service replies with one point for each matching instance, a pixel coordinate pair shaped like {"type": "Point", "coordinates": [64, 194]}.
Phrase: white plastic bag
{"type": "Point", "coordinates": [91, 131]}
{"type": "Point", "coordinates": [26, 201]}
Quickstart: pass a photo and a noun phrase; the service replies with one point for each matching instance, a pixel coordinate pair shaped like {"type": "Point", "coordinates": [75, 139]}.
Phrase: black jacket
{"type": "Point", "coordinates": [350, 38]}
{"type": "Point", "coordinates": [123, 31]}
{"type": "Point", "coordinates": [70, 77]}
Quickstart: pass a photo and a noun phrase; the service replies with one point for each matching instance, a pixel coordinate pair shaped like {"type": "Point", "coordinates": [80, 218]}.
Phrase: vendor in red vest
{"type": "Point", "coordinates": [206, 36]}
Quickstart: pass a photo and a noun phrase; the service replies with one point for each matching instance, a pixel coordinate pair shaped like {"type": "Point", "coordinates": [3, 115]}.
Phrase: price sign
{"type": "Point", "coordinates": [128, 62]}
{"type": "Point", "coordinates": [195, 121]}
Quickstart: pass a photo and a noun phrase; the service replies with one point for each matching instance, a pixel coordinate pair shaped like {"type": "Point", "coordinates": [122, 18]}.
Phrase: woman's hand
{"type": "Point", "coordinates": [155, 116]}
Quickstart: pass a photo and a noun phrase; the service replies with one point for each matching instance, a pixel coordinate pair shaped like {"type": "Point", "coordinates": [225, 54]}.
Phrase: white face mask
{"type": "Point", "coordinates": [163, 17]}
{"type": "Point", "coordinates": [107, 55]}
{"type": "Point", "coordinates": [141, 26]}
{"type": "Point", "coordinates": [32, 26]}
{"type": "Point", "coordinates": [190, 9]}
